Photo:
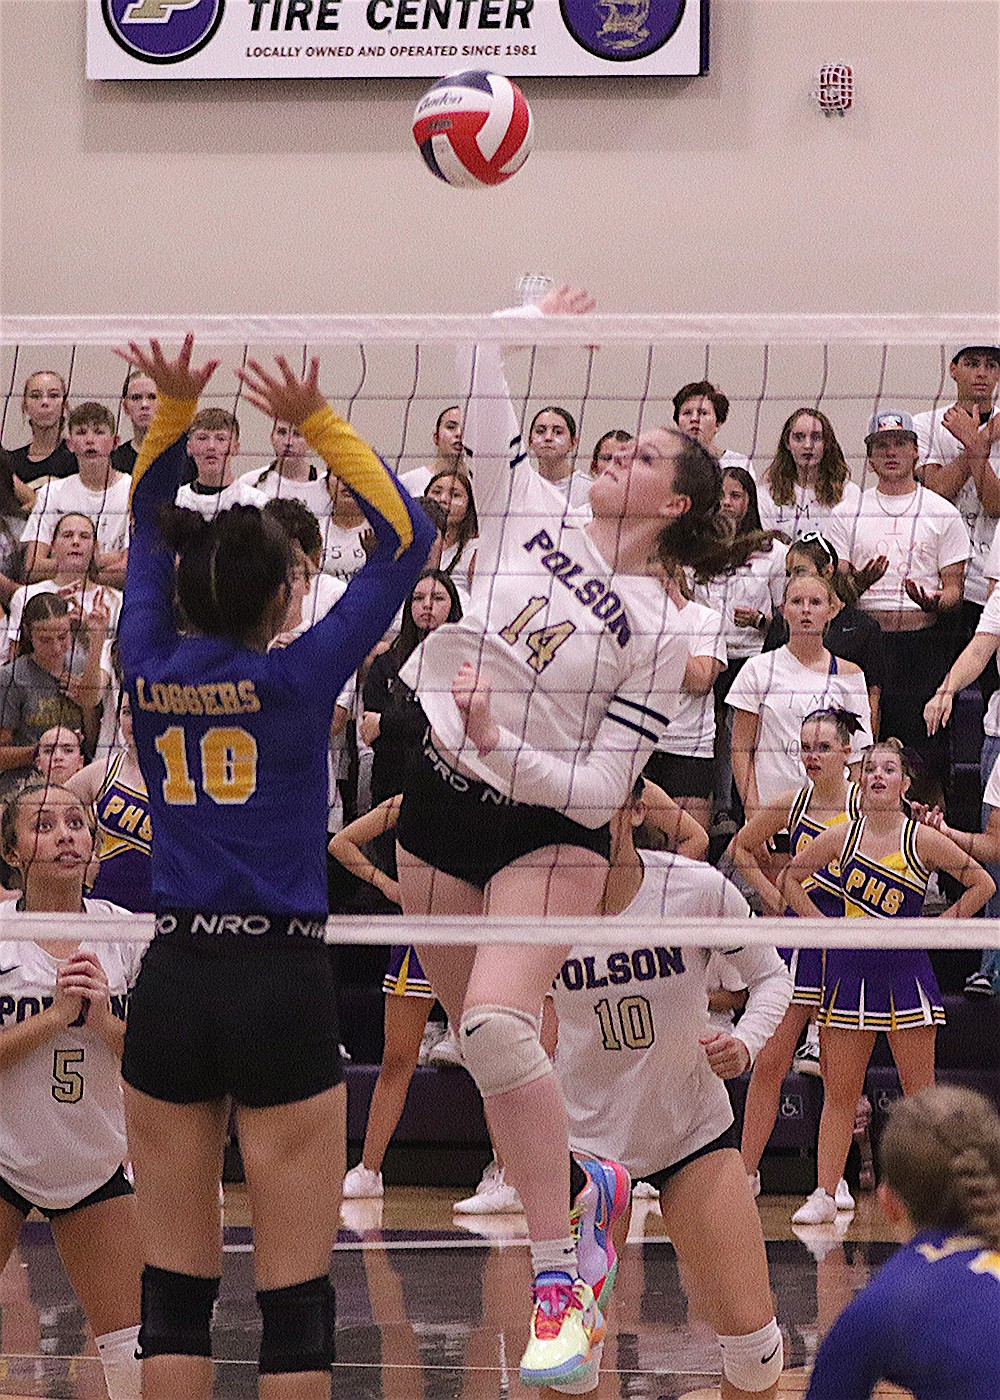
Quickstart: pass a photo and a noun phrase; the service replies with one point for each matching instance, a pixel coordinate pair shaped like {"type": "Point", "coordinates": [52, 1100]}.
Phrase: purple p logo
{"type": "Point", "coordinates": [162, 31]}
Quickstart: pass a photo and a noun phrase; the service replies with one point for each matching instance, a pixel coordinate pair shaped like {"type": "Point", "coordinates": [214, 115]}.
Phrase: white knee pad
{"type": "Point", "coordinates": [501, 1048]}
{"type": "Point", "coordinates": [753, 1362]}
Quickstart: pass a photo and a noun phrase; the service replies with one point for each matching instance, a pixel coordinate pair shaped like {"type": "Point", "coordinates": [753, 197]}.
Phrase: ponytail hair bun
{"type": "Point", "coordinates": [229, 568]}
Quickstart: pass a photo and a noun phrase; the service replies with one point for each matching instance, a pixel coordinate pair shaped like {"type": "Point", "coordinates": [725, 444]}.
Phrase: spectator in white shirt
{"type": "Point", "coordinates": [906, 549]}
{"type": "Point", "coordinates": [808, 478]}
{"type": "Point", "coordinates": [453, 492]}
{"type": "Point", "coordinates": [291, 474]}
{"type": "Point", "coordinates": [450, 452]}
{"type": "Point", "coordinates": [72, 555]}
{"type": "Point", "coordinates": [96, 490]}
{"type": "Point", "coordinates": [552, 441]}
{"type": "Point", "coordinates": [344, 529]}
{"type": "Point", "coordinates": [213, 440]}
{"type": "Point", "coordinates": [700, 409]}
{"type": "Point", "coordinates": [775, 692]}
{"type": "Point", "coordinates": [959, 447]}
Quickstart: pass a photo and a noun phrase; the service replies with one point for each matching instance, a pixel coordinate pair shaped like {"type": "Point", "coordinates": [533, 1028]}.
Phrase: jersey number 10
{"type": "Point", "coordinates": [228, 762]}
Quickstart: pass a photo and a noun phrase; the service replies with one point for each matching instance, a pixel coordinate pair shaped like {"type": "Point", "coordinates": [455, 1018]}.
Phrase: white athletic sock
{"type": "Point", "coordinates": [122, 1368]}
{"type": "Point", "coordinates": [554, 1256]}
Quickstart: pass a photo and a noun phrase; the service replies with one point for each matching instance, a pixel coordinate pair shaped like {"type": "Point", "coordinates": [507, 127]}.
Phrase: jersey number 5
{"type": "Point", "coordinates": [542, 643]}
{"type": "Point", "coordinates": [67, 1083]}
{"type": "Point", "coordinates": [228, 766]}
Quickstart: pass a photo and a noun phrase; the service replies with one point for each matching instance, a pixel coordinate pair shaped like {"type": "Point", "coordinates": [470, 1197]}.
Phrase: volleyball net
{"type": "Point", "coordinates": [392, 376]}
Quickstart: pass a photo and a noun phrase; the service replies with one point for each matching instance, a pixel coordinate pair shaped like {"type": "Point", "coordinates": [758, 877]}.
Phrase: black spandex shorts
{"type": "Point", "coordinates": [252, 1018]}
{"type": "Point", "coordinates": [117, 1185]}
{"type": "Point", "coordinates": [470, 830]}
{"type": "Point", "coordinates": [659, 1179]}
{"type": "Point", "coordinates": [680, 775]}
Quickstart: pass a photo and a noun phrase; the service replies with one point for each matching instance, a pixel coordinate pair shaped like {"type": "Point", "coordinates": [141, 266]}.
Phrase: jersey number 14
{"type": "Point", "coordinates": [542, 643]}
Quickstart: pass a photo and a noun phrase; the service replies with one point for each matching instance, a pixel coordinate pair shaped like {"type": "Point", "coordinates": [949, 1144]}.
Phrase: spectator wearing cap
{"type": "Point", "coordinates": [905, 548]}
{"type": "Point", "coordinates": [959, 447]}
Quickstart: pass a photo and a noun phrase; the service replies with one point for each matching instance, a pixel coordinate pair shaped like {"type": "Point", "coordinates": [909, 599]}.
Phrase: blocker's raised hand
{"type": "Point", "coordinates": [289, 398]}
{"type": "Point", "coordinates": [177, 378]}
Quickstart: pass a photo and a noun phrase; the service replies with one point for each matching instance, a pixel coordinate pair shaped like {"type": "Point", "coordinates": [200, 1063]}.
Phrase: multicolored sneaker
{"type": "Point", "coordinates": [566, 1327]}
{"type": "Point", "coordinates": [596, 1208]}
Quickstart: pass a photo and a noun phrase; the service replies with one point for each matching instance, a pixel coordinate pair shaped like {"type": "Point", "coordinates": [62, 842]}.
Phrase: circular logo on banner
{"type": "Point", "coordinates": [162, 31]}
{"type": "Point", "coordinates": [622, 30]}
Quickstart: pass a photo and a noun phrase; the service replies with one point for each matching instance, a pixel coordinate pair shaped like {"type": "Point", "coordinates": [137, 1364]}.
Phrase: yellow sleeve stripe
{"type": "Point", "coordinates": [353, 461]}
{"type": "Point", "coordinates": [171, 418]}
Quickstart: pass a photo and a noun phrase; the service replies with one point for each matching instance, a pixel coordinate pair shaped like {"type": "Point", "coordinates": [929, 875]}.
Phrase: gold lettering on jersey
{"type": "Point", "coordinates": [593, 592]}
{"type": "Point", "coordinates": [218, 698]}
{"type": "Point", "coordinates": [955, 1244]}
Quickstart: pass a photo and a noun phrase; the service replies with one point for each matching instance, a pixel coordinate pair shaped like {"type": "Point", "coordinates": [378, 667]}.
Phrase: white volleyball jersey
{"type": "Point", "coordinates": [937, 444]}
{"type": "Point", "coordinates": [585, 665]}
{"type": "Point", "coordinates": [920, 534]}
{"type": "Point", "coordinates": [691, 734]}
{"type": "Point", "coordinates": [636, 1080]}
{"type": "Point", "coordinates": [62, 1126]}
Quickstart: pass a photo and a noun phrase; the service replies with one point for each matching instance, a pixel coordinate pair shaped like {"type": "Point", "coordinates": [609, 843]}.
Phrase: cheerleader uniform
{"type": "Point", "coordinates": [125, 872]}
{"type": "Point", "coordinates": [404, 976]}
{"type": "Point", "coordinates": [881, 989]}
{"type": "Point", "coordinates": [823, 888]}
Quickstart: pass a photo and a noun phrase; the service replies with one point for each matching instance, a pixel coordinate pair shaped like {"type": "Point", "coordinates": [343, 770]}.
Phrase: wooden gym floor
{"type": "Point", "coordinates": [431, 1307]}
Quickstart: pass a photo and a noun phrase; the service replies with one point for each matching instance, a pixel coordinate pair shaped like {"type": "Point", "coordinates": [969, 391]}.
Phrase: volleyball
{"type": "Point", "coordinates": [473, 129]}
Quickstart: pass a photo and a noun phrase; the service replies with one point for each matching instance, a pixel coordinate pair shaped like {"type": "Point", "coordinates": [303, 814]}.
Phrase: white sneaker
{"type": "Point", "coordinates": [491, 1175]}
{"type": "Point", "coordinates": [645, 1191]}
{"type": "Point", "coordinates": [806, 1058]}
{"type": "Point", "coordinates": [362, 1185]}
{"type": "Point", "coordinates": [446, 1052]}
{"type": "Point", "coordinates": [754, 1180]}
{"type": "Point", "coordinates": [843, 1198]}
{"type": "Point", "coordinates": [434, 1031]}
{"type": "Point", "coordinates": [818, 1209]}
{"type": "Point", "coordinates": [498, 1199]}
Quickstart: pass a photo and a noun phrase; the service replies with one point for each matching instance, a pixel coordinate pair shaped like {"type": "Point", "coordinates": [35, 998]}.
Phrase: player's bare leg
{"type": "Point", "coordinates": [177, 1158]}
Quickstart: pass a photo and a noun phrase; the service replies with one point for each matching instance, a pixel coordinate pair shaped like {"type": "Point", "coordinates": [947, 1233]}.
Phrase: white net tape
{"type": "Point", "coordinates": [591, 932]}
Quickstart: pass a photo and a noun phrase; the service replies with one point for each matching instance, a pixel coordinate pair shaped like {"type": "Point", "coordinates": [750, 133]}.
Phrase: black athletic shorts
{"type": "Point", "coordinates": [233, 1015]}
{"type": "Point", "coordinates": [117, 1185]}
{"type": "Point", "coordinates": [680, 775]}
{"type": "Point", "coordinates": [470, 830]}
{"type": "Point", "coordinates": [659, 1179]}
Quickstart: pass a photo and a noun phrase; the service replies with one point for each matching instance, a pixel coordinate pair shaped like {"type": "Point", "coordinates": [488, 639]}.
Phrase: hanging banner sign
{"type": "Point", "coordinates": [394, 38]}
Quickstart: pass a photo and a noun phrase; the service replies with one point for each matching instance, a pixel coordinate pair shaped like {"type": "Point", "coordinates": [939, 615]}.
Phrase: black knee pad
{"type": "Point", "coordinates": [176, 1313]}
{"type": "Point", "coordinates": [299, 1324]}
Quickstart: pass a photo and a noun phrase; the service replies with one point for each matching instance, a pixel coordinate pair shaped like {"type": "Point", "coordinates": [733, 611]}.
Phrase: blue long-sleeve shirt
{"type": "Point", "coordinates": [232, 742]}
{"type": "Point", "coordinates": [929, 1322]}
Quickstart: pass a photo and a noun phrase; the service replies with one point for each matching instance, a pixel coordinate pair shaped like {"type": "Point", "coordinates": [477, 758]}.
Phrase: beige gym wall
{"type": "Point", "coordinates": [724, 192]}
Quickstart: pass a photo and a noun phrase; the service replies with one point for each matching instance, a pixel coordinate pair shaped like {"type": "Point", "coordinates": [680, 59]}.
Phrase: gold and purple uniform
{"type": "Point", "coordinates": [125, 852]}
{"type": "Point", "coordinates": [823, 888]}
{"type": "Point", "coordinates": [881, 989]}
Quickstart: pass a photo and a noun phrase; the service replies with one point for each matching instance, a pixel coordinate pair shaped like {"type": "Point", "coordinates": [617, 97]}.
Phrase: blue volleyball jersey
{"type": "Point", "coordinates": [233, 743]}
{"type": "Point", "coordinates": [928, 1322]}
